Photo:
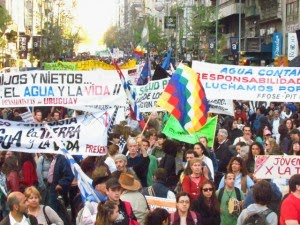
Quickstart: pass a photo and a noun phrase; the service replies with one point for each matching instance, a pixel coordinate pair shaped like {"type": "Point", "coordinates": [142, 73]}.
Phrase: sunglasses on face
{"type": "Point", "coordinates": [207, 189]}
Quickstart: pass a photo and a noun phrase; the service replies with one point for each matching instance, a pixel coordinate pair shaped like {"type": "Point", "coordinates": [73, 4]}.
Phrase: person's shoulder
{"type": "Point", "coordinates": [5, 221]}
{"type": "Point", "coordinates": [33, 220]}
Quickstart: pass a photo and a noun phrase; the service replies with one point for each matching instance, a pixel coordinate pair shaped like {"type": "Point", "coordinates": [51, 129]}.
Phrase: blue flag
{"type": "Point", "coordinates": [166, 63]}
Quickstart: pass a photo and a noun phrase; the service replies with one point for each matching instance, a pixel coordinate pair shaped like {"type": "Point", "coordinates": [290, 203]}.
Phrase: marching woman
{"type": "Point", "coordinates": [183, 214]}
{"type": "Point", "coordinates": [44, 214]}
{"type": "Point", "coordinates": [191, 184]}
{"type": "Point", "coordinates": [207, 205]}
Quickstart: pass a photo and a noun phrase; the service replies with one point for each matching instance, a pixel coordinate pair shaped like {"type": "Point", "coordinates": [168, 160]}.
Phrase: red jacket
{"type": "Point", "coordinates": [189, 186]}
{"type": "Point", "coordinates": [12, 181]}
{"type": "Point", "coordinates": [29, 175]}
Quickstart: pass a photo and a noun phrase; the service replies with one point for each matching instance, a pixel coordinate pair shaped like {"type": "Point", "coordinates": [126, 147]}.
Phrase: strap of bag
{"type": "Point", "coordinates": [46, 216]}
{"type": "Point", "coordinates": [172, 217]}
{"type": "Point", "coordinates": [220, 194]}
{"type": "Point", "coordinates": [194, 216]}
{"type": "Point", "coordinates": [238, 193]}
{"type": "Point", "coordinates": [244, 184]}
{"type": "Point", "coordinates": [151, 191]}
{"type": "Point", "coordinates": [128, 209]}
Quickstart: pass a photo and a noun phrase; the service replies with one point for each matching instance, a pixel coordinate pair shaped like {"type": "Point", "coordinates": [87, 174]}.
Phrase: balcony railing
{"type": "Point", "coordinates": [251, 11]}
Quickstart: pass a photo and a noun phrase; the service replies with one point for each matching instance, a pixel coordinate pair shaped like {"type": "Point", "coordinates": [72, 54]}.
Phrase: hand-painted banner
{"type": "Point", "coordinates": [155, 202]}
{"type": "Point", "coordinates": [276, 166]}
{"type": "Point", "coordinates": [82, 135]}
{"type": "Point", "coordinates": [280, 84]}
{"type": "Point", "coordinates": [148, 94]}
{"type": "Point", "coordinates": [61, 88]}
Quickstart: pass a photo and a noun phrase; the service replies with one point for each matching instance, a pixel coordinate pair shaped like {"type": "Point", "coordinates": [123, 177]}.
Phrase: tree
{"type": "Point", "coordinates": [5, 19]}
{"type": "Point", "coordinates": [131, 34]}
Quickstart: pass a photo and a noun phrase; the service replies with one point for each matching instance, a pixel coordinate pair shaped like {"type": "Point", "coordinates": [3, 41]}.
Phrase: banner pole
{"type": "Point", "coordinates": [213, 141]}
{"type": "Point", "coordinates": [147, 121]}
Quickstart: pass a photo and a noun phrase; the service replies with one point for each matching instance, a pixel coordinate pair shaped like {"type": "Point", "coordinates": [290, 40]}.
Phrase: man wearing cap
{"type": "Point", "coordinates": [121, 164]}
{"type": "Point", "coordinates": [131, 194]}
{"type": "Point", "coordinates": [113, 192]}
{"type": "Point", "coordinates": [90, 208]}
{"type": "Point", "coordinates": [295, 133]}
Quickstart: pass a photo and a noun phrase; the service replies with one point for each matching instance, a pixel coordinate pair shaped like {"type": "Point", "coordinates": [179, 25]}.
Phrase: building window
{"type": "Point", "coordinates": [291, 12]}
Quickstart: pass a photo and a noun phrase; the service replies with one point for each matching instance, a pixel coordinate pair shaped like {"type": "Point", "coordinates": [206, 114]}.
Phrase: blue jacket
{"type": "Point", "coordinates": [62, 174]}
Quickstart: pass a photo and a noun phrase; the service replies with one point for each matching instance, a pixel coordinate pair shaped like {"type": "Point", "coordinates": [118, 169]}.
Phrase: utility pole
{"type": "Point", "coordinates": [240, 25]}
{"type": "Point", "coordinates": [216, 31]}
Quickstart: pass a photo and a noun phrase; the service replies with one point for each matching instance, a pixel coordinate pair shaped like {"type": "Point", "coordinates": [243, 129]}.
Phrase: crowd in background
{"type": "Point", "coordinates": [210, 184]}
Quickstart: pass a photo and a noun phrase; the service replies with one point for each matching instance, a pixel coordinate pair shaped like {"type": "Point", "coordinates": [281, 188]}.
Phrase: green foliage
{"type": "Point", "coordinates": [5, 19]}
{"type": "Point", "coordinates": [130, 36]}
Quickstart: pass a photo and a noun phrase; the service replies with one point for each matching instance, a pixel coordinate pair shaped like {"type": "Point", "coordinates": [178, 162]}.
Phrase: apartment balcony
{"type": "Point", "coordinates": [230, 9]}
{"type": "Point", "coordinates": [251, 11]}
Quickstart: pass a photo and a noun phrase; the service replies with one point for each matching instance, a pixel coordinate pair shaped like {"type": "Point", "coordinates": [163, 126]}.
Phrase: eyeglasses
{"type": "Point", "coordinates": [207, 189]}
{"type": "Point", "coordinates": [186, 202]}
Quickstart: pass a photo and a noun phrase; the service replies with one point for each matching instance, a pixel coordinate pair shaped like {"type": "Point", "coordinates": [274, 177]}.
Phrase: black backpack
{"type": "Point", "coordinates": [257, 218]}
{"type": "Point", "coordinates": [237, 193]}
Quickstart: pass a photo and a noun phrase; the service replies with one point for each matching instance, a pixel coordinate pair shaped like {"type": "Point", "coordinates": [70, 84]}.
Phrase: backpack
{"type": "Point", "coordinates": [237, 193]}
{"type": "Point", "coordinates": [257, 218]}
{"type": "Point", "coordinates": [79, 215]}
{"type": "Point", "coordinates": [178, 187]}
{"type": "Point", "coordinates": [194, 216]}
{"type": "Point", "coordinates": [130, 214]}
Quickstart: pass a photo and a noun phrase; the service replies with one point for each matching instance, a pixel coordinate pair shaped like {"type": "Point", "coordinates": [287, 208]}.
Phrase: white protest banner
{"type": "Point", "coordinates": [155, 202]}
{"type": "Point", "coordinates": [276, 166]}
{"type": "Point", "coordinates": [82, 135]}
{"type": "Point", "coordinates": [221, 106]}
{"type": "Point", "coordinates": [147, 95]}
{"type": "Point", "coordinates": [255, 83]}
{"type": "Point", "coordinates": [61, 88]}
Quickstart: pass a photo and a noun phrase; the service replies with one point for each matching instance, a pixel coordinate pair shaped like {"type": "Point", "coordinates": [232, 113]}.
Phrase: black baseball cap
{"type": "Point", "coordinates": [112, 183]}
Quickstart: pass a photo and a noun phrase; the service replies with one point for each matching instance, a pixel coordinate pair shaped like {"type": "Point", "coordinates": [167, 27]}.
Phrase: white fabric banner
{"type": "Point", "coordinates": [156, 202]}
{"type": "Point", "coordinates": [279, 84]}
{"type": "Point", "coordinates": [147, 95]}
{"type": "Point", "coordinates": [292, 46]}
{"type": "Point", "coordinates": [276, 166]}
{"type": "Point", "coordinates": [82, 135]}
{"type": "Point", "coordinates": [61, 88]}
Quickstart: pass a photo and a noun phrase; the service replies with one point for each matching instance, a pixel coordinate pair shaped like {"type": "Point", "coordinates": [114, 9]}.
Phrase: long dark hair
{"type": "Point", "coordinates": [10, 164]}
{"type": "Point", "coordinates": [213, 201]}
{"type": "Point", "coordinates": [156, 217]}
{"type": "Point", "coordinates": [25, 156]}
{"type": "Point", "coordinates": [243, 169]}
{"type": "Point", "coordinates": [104, 213]}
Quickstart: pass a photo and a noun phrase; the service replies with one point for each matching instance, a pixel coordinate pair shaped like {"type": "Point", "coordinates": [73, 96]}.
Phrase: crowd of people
{"type": "Point", "coordinates": [211, 185]}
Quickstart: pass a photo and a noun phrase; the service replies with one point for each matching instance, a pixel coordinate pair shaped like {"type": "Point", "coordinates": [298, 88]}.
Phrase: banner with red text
{"type": "Point", "coordinates": [256, 83]}
{"type": "Point", "coordinates": [276, 166]}
{"type": "Point", "coordinates": [82, 135]}
{"type": "Point", "coordinates": [61, 88]}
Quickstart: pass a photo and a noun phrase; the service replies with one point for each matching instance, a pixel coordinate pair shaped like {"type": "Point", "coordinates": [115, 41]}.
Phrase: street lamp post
{"type": "Point", "coordinates": [216, 41]}
{"type": "Point", "coordinates": [240, 21]}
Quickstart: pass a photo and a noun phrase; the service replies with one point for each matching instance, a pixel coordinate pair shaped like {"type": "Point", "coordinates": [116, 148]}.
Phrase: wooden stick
{"type": "Point", "coordinates": [147, 122]}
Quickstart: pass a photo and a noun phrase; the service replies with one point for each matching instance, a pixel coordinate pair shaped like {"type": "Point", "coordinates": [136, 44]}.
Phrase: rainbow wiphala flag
{"type": "Point", "coordinates": [184, 98]}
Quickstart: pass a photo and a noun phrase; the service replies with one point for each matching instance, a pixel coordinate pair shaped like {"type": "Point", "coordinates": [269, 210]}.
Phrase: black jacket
{"type": "Point", "coordinates": [209, 215]}
{"type": "Point", "coordinates": [32, 220]}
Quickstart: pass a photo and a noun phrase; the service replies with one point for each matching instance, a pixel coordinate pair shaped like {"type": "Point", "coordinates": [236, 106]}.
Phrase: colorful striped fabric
{"type": "Point", "coordinates": [185, 99]}
{"type": "Point", "coordinates": [129, 93]}
{"type": "Point", "coordinates": [84, 182]}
